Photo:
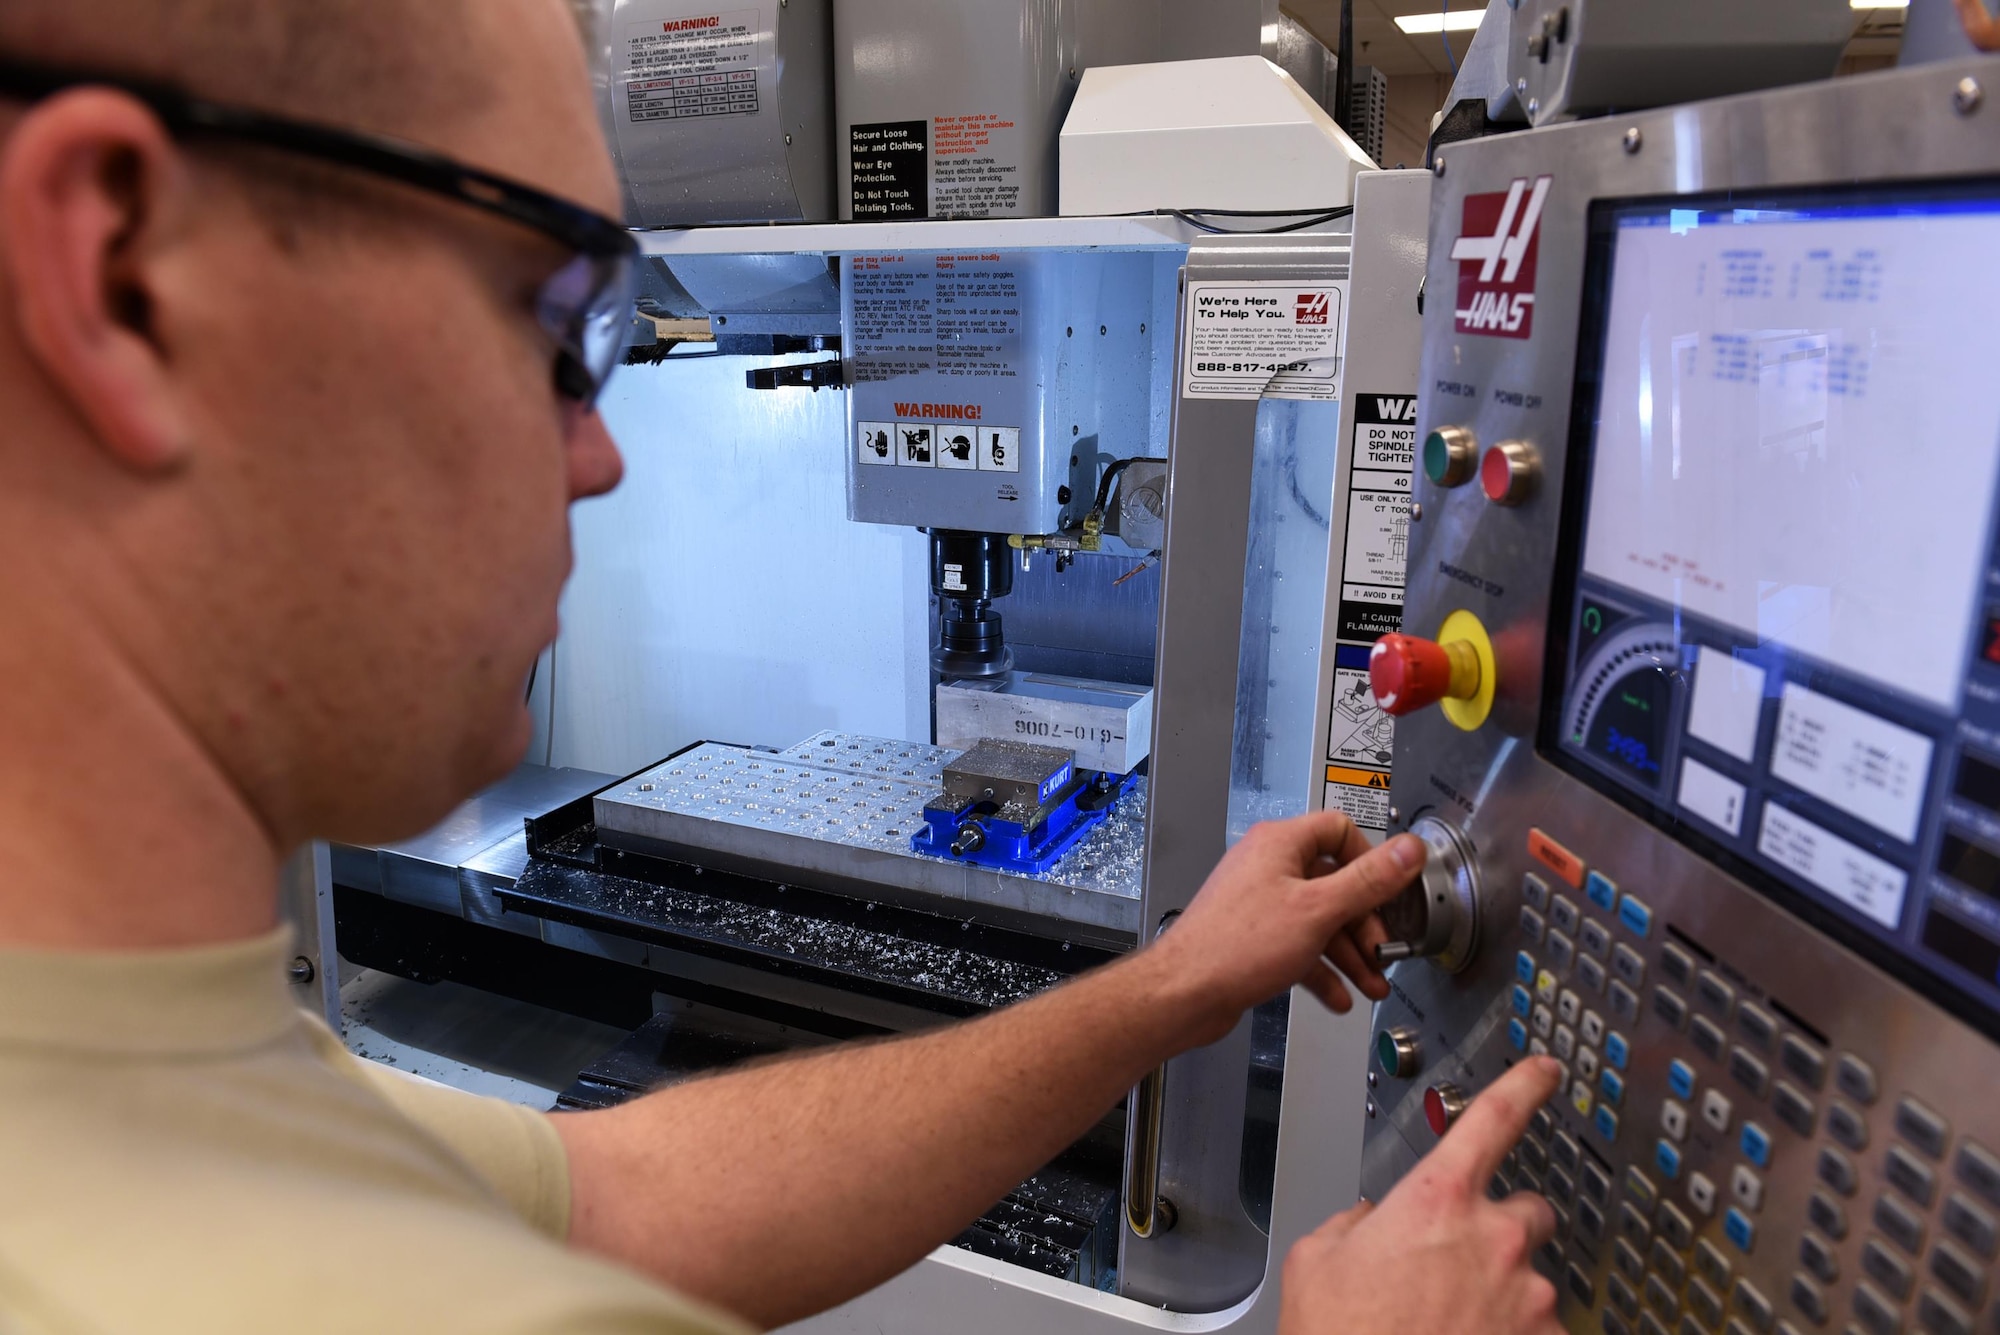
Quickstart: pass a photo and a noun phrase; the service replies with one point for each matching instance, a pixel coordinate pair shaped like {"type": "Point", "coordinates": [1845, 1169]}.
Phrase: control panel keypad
{"type": "Point", "coordinates": [1748, 1094]}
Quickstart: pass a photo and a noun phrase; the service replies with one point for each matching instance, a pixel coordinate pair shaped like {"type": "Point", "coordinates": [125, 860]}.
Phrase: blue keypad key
{"type": "Point", "coordinates": [1737, 1226]}
{"type": "Point", "coordinates": [1524, 1001]}
{"type": "Point", "coordinates": [1680, 1078]}
{"type": "Point", "coordinates": [1524, 967]}
{"type": "Point", "coordinates": [1667, 1159]}
{"type": "Point", "coordinates": [1638, 919]}
{"type": "Point", "coordinates": [1517, 1034]}
{"type": "Point", "coordinates": [1755, 1143]}
{"type": "Point", "coordinates": [1612, 1086]}
{"type": "Point", "coordinates": [1601, 891]}
{"type": "Point", "coordinates": [1616, 1050]}
{"type": "Point", "coordinates": [1606, 1122]}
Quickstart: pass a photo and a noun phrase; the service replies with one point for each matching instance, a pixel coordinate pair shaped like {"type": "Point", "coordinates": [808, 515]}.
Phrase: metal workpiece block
{"type": "Point", "coordinates": [1108, 725]}
{"type": "Point", "coordinates": [1019, 779]}
{"type": "Point", "coordinates": [849, 832]}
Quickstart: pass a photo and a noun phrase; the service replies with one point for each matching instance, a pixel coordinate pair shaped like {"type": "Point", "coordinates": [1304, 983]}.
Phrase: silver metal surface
{"type": "Point", "coordinates": [1494, 786]}
{"type": "Point", "coordinates": [1140, 516]}
{"type": "Point", "coordinates": [849, 832]}
{"type": "Point", "coordinates": [1109, 726]}
{"type": "Point", "coordinates": [1437, 918]}
{"type": "Point", "coordinates": [1582, 57]}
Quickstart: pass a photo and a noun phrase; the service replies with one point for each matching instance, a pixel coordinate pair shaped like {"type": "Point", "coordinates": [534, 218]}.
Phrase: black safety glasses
{"type": "Point", "coordinates": [586, 306]}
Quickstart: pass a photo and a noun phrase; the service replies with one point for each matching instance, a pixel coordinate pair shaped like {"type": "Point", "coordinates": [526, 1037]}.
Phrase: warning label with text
{"type": "Point", "coordinates": [695, 65]}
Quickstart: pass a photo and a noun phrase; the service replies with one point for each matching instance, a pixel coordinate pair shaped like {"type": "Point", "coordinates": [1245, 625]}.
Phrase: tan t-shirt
{"type": "Point", "coordinates": [182, 1150]}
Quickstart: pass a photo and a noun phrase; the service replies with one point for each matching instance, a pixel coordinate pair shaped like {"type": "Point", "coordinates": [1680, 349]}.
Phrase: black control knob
{"type": "Point", "coordinates": [1438, 917]}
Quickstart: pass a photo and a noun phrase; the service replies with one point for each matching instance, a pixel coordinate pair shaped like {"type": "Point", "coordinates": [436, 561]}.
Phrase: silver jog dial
{"type": "Point", "coordinates": [1438, 917]}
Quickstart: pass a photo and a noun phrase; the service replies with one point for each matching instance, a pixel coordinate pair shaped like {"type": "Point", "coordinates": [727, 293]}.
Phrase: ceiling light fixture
{"type": "Point", "coordinates": [1463, 20]}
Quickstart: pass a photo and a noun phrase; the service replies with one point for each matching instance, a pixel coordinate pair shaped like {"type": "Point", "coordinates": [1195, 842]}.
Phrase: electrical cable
{"type": "Point", "coordinates": [1193, 219]}
{"type": "Point", "coordinates": [1445, 37]}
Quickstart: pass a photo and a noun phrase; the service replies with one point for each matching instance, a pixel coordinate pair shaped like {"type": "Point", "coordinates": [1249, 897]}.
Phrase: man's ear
{"type": "Point", "coordinates": [90, 184]}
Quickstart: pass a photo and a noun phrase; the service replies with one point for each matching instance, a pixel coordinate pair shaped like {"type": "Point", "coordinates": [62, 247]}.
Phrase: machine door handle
{"type": "Point", "coordinates": [1147, 1213]}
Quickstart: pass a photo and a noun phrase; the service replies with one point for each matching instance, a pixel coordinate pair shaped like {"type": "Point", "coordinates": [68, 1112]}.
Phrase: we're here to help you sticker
{"type": "Point", "coordinates": [1279, 340]}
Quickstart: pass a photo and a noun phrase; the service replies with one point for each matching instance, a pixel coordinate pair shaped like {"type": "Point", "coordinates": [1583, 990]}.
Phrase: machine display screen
{"type": "Point", "coordinates": [1784, 641]}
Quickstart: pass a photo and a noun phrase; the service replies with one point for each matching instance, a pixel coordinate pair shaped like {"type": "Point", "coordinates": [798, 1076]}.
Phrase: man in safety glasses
{"type": "Point", "coordinates": [305, 306]}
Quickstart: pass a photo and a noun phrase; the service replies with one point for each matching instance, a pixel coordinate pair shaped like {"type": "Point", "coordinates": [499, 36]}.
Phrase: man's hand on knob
{"type": "Point", "coordinates": [1293, 903]}
{"type": "Point", "coordinates": [1437, 1255]}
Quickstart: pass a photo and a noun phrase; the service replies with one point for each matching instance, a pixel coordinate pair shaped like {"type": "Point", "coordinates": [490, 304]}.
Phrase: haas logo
{"type": "Point", "coordinates": [1496, 251]}
{"type": "Point", "coordinates": [1313, 308]}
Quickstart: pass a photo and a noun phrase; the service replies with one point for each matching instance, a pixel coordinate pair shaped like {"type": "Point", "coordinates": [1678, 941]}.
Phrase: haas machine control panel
{"type": "Point", "coordinates": [1699, 704]}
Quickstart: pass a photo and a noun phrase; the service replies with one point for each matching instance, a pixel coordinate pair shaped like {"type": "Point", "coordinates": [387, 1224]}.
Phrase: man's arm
{"type": "Point", "coordinates": [782, 1190]}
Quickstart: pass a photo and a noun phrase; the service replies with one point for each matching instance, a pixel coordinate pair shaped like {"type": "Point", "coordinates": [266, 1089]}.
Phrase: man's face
{"type": "Point", "coordinates": [383, 469]}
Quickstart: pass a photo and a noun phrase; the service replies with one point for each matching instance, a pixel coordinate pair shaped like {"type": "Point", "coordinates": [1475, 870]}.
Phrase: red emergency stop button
{"type": "Point", "coordinates": [1409, 673]}
{"type": "Point", "coordinates": [1443, 1103]}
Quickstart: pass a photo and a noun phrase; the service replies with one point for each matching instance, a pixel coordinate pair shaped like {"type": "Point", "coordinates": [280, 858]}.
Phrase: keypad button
{"type": "Point", "coordinates": [1563, 1151]}
{"type": "Point", "coordinates": [1971, 1225]}
{"type": "Point", "coordinates": [1757, 1025]}
{"type": "Point", "coordinates": [1749, 1072]}
{"type": "Point", "coordinates": [1590, 973]}
{"type": "Point", "coordinates": [1809, 1298]}
{"type": "Point", "coordinates": [1704, 1304]}
{"type": "Point", "coordinates": [1910, 1175]}
{"type": "Point", "coordinates": [1581, 1099]}
{"type": "Point", "coordinates": [1855, 1078]}
{"type": "Point", "coordinates": [1939, 1315]}
{"type": "Point", "coordinates": [1617, 1051]}
{"type": "Point", "coordinates": [1541, 1124]}
{"type": "Point", "coordinates": [1587, 1063]}
{"type": "Point", "coordinates": [1651, 1325]}
{"type": "Point", "coordinates": [1562, 1187]}
{"type": "Point", "coordinates": [1581, 1286]}
{"type": "Point", "coordinates": [1923, 1128]}
{"type": "Point", "coordinates": [1641, 1190]}
{"type": "Point", "coordinates": [1979, 1168]}
{"type": "Point", "coordinates": [1569, 1007]}
{"type": "Point", "coordinates": [1533, 926]}
{"type": "Point", "coordinates": [1707, 1037]}
{"type": "Point", "coordinates": [1738, 1228]}
{"type": "Point", "coordinates": [1675, 1227]}
{"type": "Point", "coordinates": [1524, 968]}
{"type": "Point", "coordinates": [1544, 1021]}
{"type": "Point", "coordinates": [1536, 891]}
{"type": "Point", "coordinates": [1635, 916]}
{"type": "Point", "coordinates": [1677, 964]}
{"type": "Point", "coordinates": [1611, 1088]}
{"type": "Point", "coordinates": [1523, 1001]}
{"type": "Point", "coordinates": [1680, 1078]}
{"type": "Point", "coordinates": [1589, 1221]}
{"type": "Point", "coordinates": [1877, 1314]}
{"type": "Point", "coordinates": [1517, 1035]}
{"type": "Point", "coordinates": [1667, 1159]}
{"type": "Point", "coordinates": [1817, 1255]}
{"type": "Point", "coordinates": [1533, 1155]}
{"type": "Point", "coordinates": [1601, 890]}
{"type": "Point", "coordinates": [1669, 1007]}
{"type": "Point", "coordinates": [1674, 1119]}
{"type": "Point", "coordinates": [1629, 965]}
{"type": "Point", "coordinates": [1596, 1183]}
{"type": "Point", "coordinates": [1594, 939]}
{"type": "Point", "coordinates": [1547, 985]}
{"type": "Point", "coordinates": [1845, 1124]}
{"type": "Point", "coordinates": [1661, 1298]}
{"type": "Point", "coordinates": [1606, 1122]}
{"type": "Point", "coordinates": [1881, 1263]}
{"type": "Point", "coordinates": [1626, 1257]}
{"type": "Point", "coordinates": [1715, 994]}
{"type": "Point", "coordinates": [1827, 1215]}
{"type": "Point", "coordinates": [1747, 1188]}
{"type": "Point", "coordinates": [1701, 1192]}
{"type": "Point", "coordinates": [1563, 915]}
{"type": "Point", "coordinates": [1634, 1226]}
{"type": "Point", "coordinates": [1712, 1264]}
{"type": "Point", "coordinates": [1717, 1110]}
{"type": "Point", "coordinates": [1668, 1262]}
{"type": "Point", "coordinates": [1755, 1142]}
{"type": "Point", "coordinates": [1794, 1109]}
{"type": "Point", "coordinates": [1592, 1028]}
{"type": "Point", "coordinates": [1748, 1299]}
{"type": "Point", "coordinates": [1525, 1180]}
{"type": "Point", "coordinates": [1623, 1297]}
{"type": "Point", "coordinates": [1805, 1062]}
{"type": "Point", "coordinates": [1562, 951]}
{"type": "Point", "coordinates": [1903, 1226]}
{"type": "Point", "coordinates": [1959, 1273]}
{"type": "Point", "coordinates": [1611, 1323]}
{"type": "Point", "coordinates": [1551, 1256]}
{"type": "Point", "coordinates": [1837, 1170]}
{"type": "Point", "coordinates": [1564, 1042]}
{"type": "Point", "coordinates": [1624, 1003]}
